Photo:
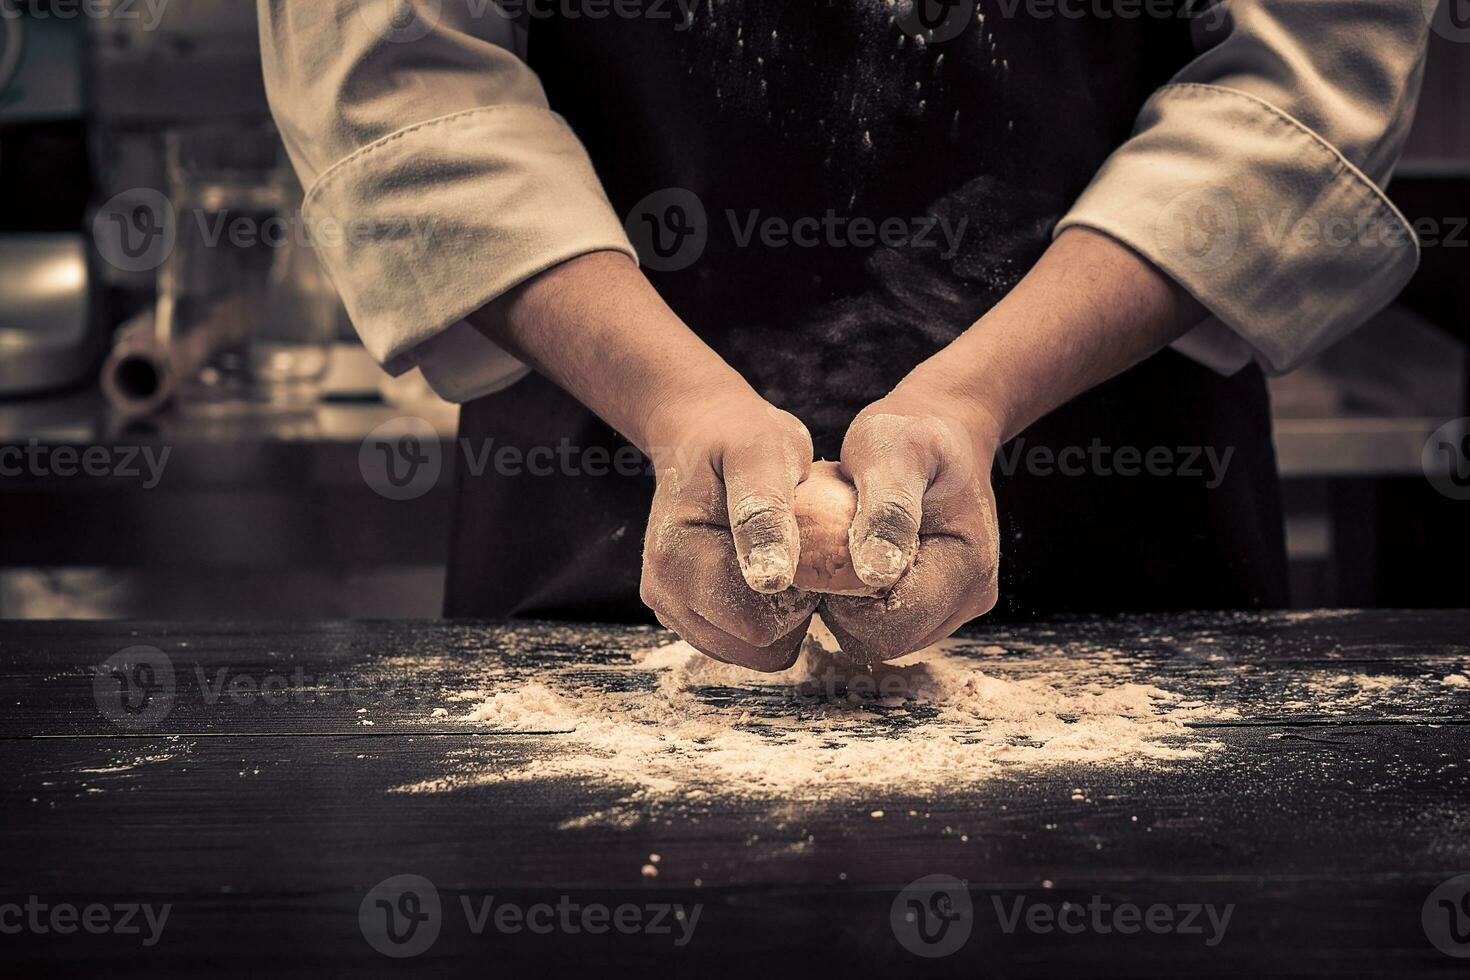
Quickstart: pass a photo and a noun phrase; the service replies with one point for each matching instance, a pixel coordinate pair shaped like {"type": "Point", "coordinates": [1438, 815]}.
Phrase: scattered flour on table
{"type": "Point", "coordinates": [827, 729]}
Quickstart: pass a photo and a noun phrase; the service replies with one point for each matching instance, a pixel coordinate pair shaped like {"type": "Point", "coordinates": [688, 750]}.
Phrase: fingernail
{"type": "Point", "coordinates": [768, 568]}
{"type": "Point", "coordinates": [878, 561]}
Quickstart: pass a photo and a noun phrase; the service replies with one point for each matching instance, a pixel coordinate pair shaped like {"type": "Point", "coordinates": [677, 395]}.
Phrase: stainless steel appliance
{"type": "Point", "coordinates": [46, 336]}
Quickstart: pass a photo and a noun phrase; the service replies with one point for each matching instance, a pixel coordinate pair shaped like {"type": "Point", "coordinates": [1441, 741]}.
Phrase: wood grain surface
{"type": "Point", "coordinates": [265, 819]}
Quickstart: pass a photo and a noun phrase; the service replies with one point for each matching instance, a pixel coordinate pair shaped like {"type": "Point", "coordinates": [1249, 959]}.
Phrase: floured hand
{"type": "Point", "coordinates": [925, 533]}
{"type": "Point", "coordinates": [720, 556]}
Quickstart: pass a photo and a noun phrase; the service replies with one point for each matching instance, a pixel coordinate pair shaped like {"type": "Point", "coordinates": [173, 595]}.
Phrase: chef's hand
{"type": "Point", "coordinates": [926, 523]}
{"type": "Point", "coordinates": [721, 549]}
{"type": "Point", "coordinates": [925, 529]}
{"type": "Point", "coordinates": [720, 554]}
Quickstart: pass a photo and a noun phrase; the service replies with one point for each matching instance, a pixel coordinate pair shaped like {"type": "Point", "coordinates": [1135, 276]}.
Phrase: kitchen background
{"type": "Point", "coordinates": [263, 510]}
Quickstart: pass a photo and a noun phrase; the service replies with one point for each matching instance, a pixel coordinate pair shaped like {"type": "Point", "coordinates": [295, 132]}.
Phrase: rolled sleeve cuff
{"type": "Point", "coordinates": [462, 364]}
{"type": "Point", "coordinates": [428, 225]}
{"type": "Point", "coordinates": [1280, 237]}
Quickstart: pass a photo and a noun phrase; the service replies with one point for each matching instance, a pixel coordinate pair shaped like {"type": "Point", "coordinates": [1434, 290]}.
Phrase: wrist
{"type": "Point", "coordinates": [596, 327]}
{"type": "Point", "coordinates": [670, 414]}
{"type": "Point", "coordinates": [956, 395]}
{"type": "Point", "coordinates": [1088, 310]}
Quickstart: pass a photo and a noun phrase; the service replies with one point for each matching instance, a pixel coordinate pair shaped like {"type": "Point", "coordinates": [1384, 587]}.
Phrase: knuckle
{"type": "Point", "coordinates": [736, 623]}
{"type": "Point", "coordinates": [647, 593]}
{"type": "Point", "coordinates": [655, 563]}
{"type": "Point", "coordinates": [758, 514]}
{"type": "Point", "coordinates": [663, 620]}
{"type": "Point", "coordinates": [780, 433]}
{"type": "Point", "coordinates": [790, 426]}
{"type": "Point", "coordinates": [854, 624]}
{"type": "Point", "coordinates": [773, 661]}
{"type": "Point", "coordinates": [862, 438]}
{"type": "Point", "coordinates": [748, 659]}
{"type": "Point", "coordinates": [762, 635]}
{"type": "Point", "coordinates": [894, 517]}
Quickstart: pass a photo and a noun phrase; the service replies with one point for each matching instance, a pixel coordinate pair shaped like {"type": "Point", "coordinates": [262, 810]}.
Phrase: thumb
{"type": "Point", "coordinates": [760, 492]}
{"type": "Point", "coordinates": [885, 531]}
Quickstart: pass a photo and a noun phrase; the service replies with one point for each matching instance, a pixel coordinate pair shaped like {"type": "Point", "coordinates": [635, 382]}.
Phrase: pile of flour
{"type": "Point", "coordinates": [828, 729]}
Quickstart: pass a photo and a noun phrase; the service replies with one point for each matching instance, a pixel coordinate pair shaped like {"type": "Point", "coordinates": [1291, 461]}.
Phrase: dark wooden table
{"type": "Point", "coordinates": [265, 826]}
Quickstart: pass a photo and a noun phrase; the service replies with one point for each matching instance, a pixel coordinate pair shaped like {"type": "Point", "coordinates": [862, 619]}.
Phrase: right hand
{"type": "Point", "coordinates": [722, 546]}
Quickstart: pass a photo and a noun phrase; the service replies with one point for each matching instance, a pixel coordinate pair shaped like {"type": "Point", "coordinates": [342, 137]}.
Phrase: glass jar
{"type": "Point", "coordinates": [245, 308]}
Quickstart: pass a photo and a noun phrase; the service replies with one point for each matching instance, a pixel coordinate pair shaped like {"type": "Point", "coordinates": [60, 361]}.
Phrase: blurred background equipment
{"type": "Point", "coordinates": [261, 511]}
{"type": "Point", "coordinates": [49, 339]}
{"type": "Point", "coordinates": [242, 300]}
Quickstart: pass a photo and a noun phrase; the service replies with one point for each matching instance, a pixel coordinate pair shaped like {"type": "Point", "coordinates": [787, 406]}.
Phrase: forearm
{"type": "Point", "coordinates": [1089, 309]}
{"type": "Point", "coordinates": [597, 328]}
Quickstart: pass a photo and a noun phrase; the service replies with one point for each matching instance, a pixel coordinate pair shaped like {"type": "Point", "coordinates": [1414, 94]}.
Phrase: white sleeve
{"type": "Point", "coordinates": [436, 176]}
{"type": "Point", "coordinates": [1254, 178]}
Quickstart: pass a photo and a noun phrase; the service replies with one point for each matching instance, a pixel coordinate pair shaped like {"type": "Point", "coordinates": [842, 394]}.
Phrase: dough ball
{"type": "Point", "coordinates": [825, 505]}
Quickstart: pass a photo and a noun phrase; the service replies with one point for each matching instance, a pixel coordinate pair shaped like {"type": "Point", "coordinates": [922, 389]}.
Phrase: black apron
{"type": "Point", "coordinates": [830, 111]}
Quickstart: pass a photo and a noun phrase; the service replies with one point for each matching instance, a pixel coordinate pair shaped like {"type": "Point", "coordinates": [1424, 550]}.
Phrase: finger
{"type": "Point", "coordinates": [891, 475]}
{"type": "Point", "coordinates": [691, 565]}
{"type": "Point", "coordinates": [716, 643]}
{"type": "Point", "coordinates": [971, 612]}
{"type": "Point", "coordinates": [778, 656]}
{"type": "Point", "coordinates": [760, 494]}
{"type": "Point", "coordinates": [951, 581]}
{"type": "Point", "coordinates": [704, 575]}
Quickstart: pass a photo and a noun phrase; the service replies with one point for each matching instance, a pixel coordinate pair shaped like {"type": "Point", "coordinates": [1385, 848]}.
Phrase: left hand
{"type": "Point", "coordinates": [926, 529]}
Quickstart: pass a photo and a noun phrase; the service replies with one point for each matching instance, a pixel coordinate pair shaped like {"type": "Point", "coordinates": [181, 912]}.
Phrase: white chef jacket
{"type": "Point", "coordinates": [1253, 178]}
